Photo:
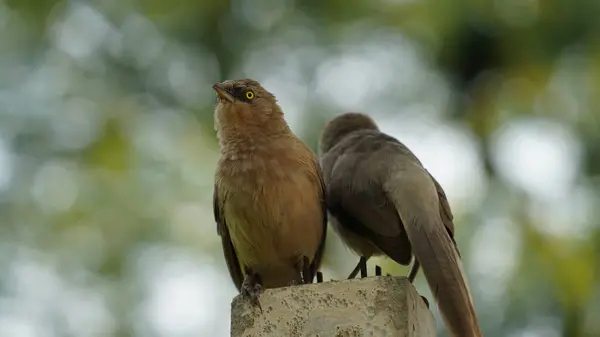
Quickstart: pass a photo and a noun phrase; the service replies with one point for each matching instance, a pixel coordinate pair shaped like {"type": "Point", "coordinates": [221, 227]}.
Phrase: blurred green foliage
{"type": "Point", "coordinates": [107, 141]}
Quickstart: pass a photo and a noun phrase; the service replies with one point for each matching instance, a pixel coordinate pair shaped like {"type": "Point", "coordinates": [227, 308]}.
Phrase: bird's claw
{"type": "Point", "coordinates": [252, 290]}
{"type": "Point", "coordinates": [305, 270]}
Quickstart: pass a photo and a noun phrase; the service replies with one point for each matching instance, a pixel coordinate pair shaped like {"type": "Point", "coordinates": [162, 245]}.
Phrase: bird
{"type": "Point", "coordinates": [269, 194]}
{"type": "Point", "coordinates": [382, 201]}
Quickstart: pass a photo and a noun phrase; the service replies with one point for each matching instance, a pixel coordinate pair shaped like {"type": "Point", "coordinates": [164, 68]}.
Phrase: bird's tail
{"type": "Point", "coordinates": [435, 251]}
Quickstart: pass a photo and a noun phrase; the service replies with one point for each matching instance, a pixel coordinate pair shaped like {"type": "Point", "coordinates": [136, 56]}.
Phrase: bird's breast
{"type": "Point", "coordinates": [272, 207]}
{"type": "Point", "coordinates": [360, 245]}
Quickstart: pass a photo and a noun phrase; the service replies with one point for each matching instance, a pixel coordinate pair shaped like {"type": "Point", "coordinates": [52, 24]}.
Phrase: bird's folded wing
{"type": "Point", "coordinates": [231, 258]}
{"type": "Point", "coordinates": [357, 201]}
{"type": "Point", "coordinates": [445, 212]}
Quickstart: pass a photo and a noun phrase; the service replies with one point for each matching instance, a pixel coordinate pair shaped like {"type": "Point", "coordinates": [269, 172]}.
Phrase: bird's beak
{"type": "Point", "coordinates": [222, 92]}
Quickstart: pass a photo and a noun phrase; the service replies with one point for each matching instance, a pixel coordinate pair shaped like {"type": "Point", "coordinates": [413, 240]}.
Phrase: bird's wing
{"type": "Point", "coordinates": [445, 212]}
{"type": "Point", "coordinates": [393, 147]}
{"type": "Point", "coordinates": [356, 199]}
{"type": "Point", "coordinates": [233, 264]}
{"type": "Point", "coordinates": [316, 263]}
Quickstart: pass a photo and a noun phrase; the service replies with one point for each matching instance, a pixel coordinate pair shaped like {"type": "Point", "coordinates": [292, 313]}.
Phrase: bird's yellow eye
{"type": "Point", "coordinates": [249, 95]}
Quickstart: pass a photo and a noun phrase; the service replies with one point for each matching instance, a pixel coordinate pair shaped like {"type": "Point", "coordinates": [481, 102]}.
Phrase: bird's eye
{"type": "Point", "coordinates": [249, 95]}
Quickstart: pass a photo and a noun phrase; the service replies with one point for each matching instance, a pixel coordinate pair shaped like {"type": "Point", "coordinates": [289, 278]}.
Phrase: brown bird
{"type": "Point", "coordinates": [382, 201]}
{"type": "Point", "coordinates": [269, 195]}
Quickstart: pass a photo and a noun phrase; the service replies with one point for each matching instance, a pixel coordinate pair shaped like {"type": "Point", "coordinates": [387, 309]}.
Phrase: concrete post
{"type": "Point", "coordinates": [375, 306]}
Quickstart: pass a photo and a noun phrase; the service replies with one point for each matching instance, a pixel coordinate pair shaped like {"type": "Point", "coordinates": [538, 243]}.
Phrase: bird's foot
{"type": "Point", "coordinates": [305, 270]}
{"type": "Point", "coordinates": [251, 289]}
{"type": "Point", "coordinates": [360, 266]}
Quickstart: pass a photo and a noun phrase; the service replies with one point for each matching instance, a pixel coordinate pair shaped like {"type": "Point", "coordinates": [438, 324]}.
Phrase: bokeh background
{"type": "Point", "coordinates": [107, 149]}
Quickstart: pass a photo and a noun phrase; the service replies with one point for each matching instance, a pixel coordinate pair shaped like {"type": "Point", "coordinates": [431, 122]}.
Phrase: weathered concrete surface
{"type": "Point", "coordinates": [382, 306]}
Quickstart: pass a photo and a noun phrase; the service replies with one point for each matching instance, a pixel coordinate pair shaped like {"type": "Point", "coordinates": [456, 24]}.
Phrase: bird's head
{"type": "Point", "coordinates": [341, 126]}
{"type": "Point", "coordinates": [245, 103]}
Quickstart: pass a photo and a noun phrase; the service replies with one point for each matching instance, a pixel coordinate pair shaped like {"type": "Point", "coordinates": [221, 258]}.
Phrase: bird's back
{"type": "Point", "coordinates": [355, 171]}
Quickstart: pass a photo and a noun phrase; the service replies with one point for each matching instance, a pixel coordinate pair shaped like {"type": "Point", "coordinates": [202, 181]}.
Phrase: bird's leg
{"type": "Point", "coordinates": [252, 288]}
{"type": "Point", "coordinates": [306, 274]}
{"type": "Point", "coordinates": [355, 270]}
{"type": "Point", "coordinates": [319, 277]}
{"type": "Point", "coordinates": [377, 271]}
{"type": "Point", "coordinates": [360, 266]}
{"type": "Point", "coordinates": [363, 268]}
{"type": "Point", "coordinates": [303, 268]}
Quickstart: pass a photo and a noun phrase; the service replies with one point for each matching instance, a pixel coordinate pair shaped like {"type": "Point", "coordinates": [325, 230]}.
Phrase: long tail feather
{"type": "Point", "coordinates": [438, 257]}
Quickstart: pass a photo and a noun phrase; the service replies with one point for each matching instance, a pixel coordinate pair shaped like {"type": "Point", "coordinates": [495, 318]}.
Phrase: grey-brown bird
{"type": "Point", "coordinates": [383, 202]}
{"type": "Point", "coordinates": [269, 195]}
